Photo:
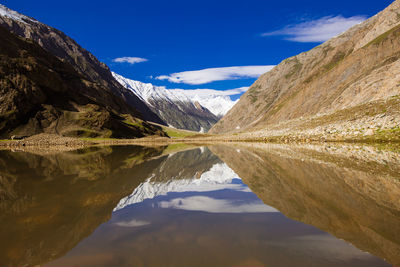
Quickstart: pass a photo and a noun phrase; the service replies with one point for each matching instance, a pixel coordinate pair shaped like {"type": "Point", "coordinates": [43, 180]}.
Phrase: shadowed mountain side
{"type": "Point", "coordinates": [39, 93]}
{"type": "Point", "coordinates": [50, 203]}
{"type": "Point", "coordinates": [185, 165]}
{"type": "Point", "coordinates": [175, 107]}
{"type": "Point", "coordinates": [66, 49]}
{"type": "Point", "coordinates": [337, 193]}
{"type": "Point", "coordinates": [184, 115]}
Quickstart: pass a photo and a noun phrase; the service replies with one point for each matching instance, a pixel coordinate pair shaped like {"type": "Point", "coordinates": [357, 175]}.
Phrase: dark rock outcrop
{"type": "Point", "coordinates": [67, 50]}
{"type": "Point", "coordinates": [40, 93]}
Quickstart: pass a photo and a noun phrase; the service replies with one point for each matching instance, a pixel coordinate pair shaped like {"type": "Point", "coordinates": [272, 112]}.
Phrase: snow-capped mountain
{"type": "Point", "coordinates": [194, 110]}
{"type": "Point", "coordinates": [213, 100]}
{"type": "Point", "coordinates": [219, 177]}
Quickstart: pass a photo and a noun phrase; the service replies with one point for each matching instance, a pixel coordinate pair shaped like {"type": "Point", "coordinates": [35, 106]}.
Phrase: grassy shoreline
{"type": "Point", "coordinates": [49, 142]}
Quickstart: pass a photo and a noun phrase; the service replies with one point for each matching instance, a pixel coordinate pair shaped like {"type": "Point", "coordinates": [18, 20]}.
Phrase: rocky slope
{"type": "Point", "coordinates": [67, 50]}
{"type": "Point", "coordinates": [348, 191]}
{"type": "Point", "coordinates": [352, 77]}
{"type": "Point", "coordinates": [182, 109]}
{"type": "Point", "coordinates": [40, 93]}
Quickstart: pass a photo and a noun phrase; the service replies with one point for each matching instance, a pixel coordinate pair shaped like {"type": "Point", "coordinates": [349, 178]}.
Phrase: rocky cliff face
{"type": "Point", "coordinates": [39, 93]}
{"type": "Point", "coordinates": [351, 77]}
{"type": "Point", "coordinates": [67, 50]}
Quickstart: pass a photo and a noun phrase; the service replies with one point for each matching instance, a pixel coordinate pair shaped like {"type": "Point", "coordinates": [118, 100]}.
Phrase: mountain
{"type": "Point", "coordinates": [50, 84]}
{"type": "Point", "coordinates": [67, 50]}
{"type": "Point", "coordinates": [39, 93]}
{"type": "Point", "coordinates": [195, 110]}
{"type": "Point", "coordinates": [347, 86]}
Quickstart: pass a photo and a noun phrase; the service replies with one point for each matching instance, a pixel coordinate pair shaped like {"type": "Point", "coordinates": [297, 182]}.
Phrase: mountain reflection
{"type": "Point", "coordinates": [352, 192]}
{"type": "Point", "coordinates": [225, 205]}
{"type": "Point", "coordinates": [49, 203]}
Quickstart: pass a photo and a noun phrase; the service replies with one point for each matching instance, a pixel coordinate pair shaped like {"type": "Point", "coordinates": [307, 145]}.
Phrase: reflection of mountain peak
{"type": "Point", "coordinates": [218, 177]}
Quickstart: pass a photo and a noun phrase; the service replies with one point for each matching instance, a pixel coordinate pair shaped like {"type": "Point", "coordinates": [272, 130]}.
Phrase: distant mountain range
{"type": "Point", "coordinates": [196, 110]}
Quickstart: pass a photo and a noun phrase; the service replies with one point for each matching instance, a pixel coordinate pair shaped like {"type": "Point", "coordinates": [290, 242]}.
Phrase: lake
{"type": "Point", "coordinates": [246, 204]}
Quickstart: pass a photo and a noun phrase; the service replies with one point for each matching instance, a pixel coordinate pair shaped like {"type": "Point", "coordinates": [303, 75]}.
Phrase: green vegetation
{"type": "Point", "coordinates": [94, 139]}
{"type": "Point", "coordinates": [253, 93]}
{"type": "Point", "coordinates": [296, 68]}
{"type": "Point", "coordinates": [388, 134]}
{"type": "Point", "coordinates": [384, 36]}
{"type": "Point", "coordinates": [136, 123]}
{"type": "Point", "coordinates": [7, 114]}
{"type": "Point", "coordinates": [254, 89]}
{"type": "Point", "coordinates": [283, 103]}
{"type": "Point", "coordinates": [84, 133]}
{"type": "Point", "coordinates": [368, 109]}
{"type": "Point", "coordinates": [253, 99]}
{"type": "Point", "coordinates": [176, 148]}
{"type": "Point", "coordinates": [177, 133]}
{"type": "Point", "coordinates": [335, 61]}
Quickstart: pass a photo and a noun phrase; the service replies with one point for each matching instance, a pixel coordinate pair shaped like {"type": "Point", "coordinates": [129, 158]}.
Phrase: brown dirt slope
{"type": "Point", "coordinates": [358, 67]}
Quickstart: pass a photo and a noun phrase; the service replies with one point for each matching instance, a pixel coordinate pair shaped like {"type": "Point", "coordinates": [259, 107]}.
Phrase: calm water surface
{"type": "Point", "coordinates": [237, 205]}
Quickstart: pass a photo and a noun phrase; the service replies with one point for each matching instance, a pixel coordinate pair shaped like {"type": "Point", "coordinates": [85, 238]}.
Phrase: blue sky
{"type": "Point", "coordinates": [180, 36]}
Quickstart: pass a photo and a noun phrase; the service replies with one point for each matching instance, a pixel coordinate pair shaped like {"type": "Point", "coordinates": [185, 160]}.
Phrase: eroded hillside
{"type": "Point", "coordinates": [350, 78]}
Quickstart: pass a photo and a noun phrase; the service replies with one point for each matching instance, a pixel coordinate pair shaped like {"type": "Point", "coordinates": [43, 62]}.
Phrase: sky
{"type": "Point", "coordinates": [214, 44]}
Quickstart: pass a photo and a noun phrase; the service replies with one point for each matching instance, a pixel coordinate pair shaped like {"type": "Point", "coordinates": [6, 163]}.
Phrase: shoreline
{"type": "Point", "coordinates": [59, 143]}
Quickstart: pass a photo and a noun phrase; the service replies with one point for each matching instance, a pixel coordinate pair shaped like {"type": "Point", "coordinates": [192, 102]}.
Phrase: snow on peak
{"type": "Point", "coordinates": [14, 15]}
{"type": "Point", "coordinates": [218, 102]}
{"type": "Point", "coordinates": [219, 177]}
{"type": "Point", "coordinates": [215, 101]}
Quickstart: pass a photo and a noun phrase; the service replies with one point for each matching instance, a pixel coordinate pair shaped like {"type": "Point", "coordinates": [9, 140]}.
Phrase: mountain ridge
{"type": "Point", "coordinates": [183, 109]}
{"type": "Point", "coordinates": [343, 73]}
{"type": "Point", "coordinates": [67, 49]}
{"type": "Point", "coordinates": [42, 92]}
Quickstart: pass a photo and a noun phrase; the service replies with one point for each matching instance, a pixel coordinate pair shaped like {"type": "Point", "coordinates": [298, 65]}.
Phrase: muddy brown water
{"type": "Point", "coordinates": [221, 205]}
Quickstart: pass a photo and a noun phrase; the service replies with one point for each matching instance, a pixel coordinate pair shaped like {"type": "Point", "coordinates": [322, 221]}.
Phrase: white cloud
{"type": "Point", "coordinates": [132, 223]}
{"type": "Point", "coordinates": [215, 74]}
{"type": "Point", "coordinates": [316, 31]}
{"type": "Point", "coordinates": [130, 60]}
{"type": "Point", "coordinates": [212, 205]}
{"type": "Point", "coordinates": [208, 92]}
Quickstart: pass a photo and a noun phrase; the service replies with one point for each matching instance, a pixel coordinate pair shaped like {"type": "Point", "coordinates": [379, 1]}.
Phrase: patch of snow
{"type": "Point", "coordinates": [219, 177]}
{"type": "Point", "coordinates": [218, 104]}
{"type": "Point", "coordinates": [14, 15]}
{"type": "Point", "coordinates": [215, 101]}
